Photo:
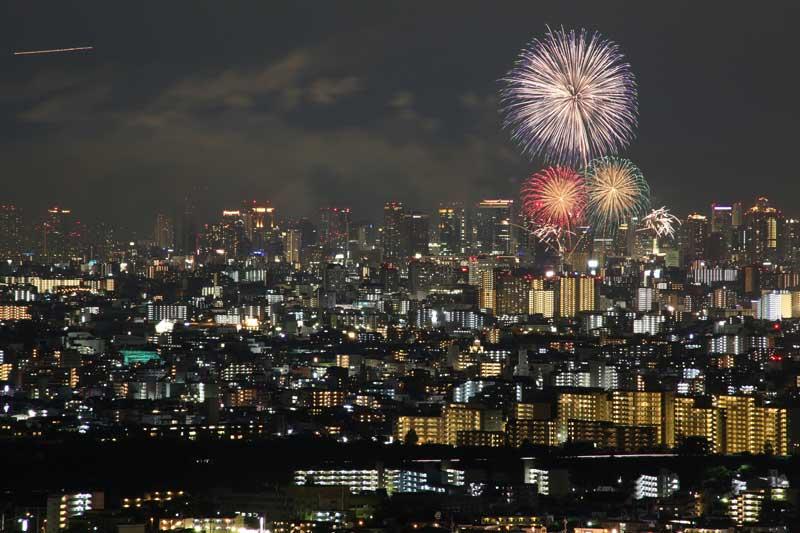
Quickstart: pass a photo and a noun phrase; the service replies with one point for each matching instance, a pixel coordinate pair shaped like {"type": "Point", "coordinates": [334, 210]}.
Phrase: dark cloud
{"type": "Point", "coordinates": [314, 103]}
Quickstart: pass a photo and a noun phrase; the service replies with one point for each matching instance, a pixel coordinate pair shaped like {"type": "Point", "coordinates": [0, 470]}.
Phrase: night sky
{"type": "Point", "coordinates": [355, 103]}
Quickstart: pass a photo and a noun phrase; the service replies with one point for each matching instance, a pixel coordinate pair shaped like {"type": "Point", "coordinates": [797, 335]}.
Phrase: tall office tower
{"type": "Point", "coordinates": [721, 217]}
{"type": "Point", "coordinates": [415, 234]}
{"type": "Point", "coordinates": [737, 214]}
{"type": "Point", "coordinates": [292, 243]}
{"type": "Point", "coordinates": [720, 239]}
{"type": "Point", "coordinates": [188, 231]}
{"type": "Point", "coordinates": [334, 278]}
{"type": "Point", "coordinates": [365, 234]}
{"type": "Point", "coordinates": [451, 229]}
{"type": "Point", "coordinates": [102, 241]}
{"type": "Point", "coordinates": [334, 230]}
{"type": "Point", "coordinates": [576, 293]}
{"type": "Point", "coordinates": [259, 220]}
{"type": "Point", "coordinates": [493, 231]}
{"type": "Point", "coordinates": [603, 247]}
{"type": "Point", "coordinates": [623, 239]}
{"type": "Point", "coordinates": [308, 231]}
{"type": "Point", "coordinates": [234, 238]}
{"type": "Point", "coordinates": [58, 234]}
{"type": "Point", "coordinates": [164, 232]}
{"type": "Point", "coordinates": [695, 236]}
{"type": "Point", "coordinates": [10, 231]}
{"type": "Point", "coordinates": [393, 215]}
{"type": "Point", "coordinates": [762, 232]}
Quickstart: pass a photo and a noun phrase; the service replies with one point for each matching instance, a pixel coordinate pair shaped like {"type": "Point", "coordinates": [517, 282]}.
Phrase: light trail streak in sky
{"type": "Point", "coordinates": [53, 51]}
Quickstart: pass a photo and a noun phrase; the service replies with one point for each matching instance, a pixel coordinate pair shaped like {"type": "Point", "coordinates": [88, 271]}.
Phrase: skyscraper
{"type": "Point", "coordinates": [791, 242]}
{"type": "Point", "coordinates": [10, 231]}
{"type": "Point", "coordinates": [415, 236]}
{"type": "Point", "coordinates": [188, 231]}
{"type": "Point", "coordinates": [721, 217]}
{"type": "Point", "coordinates": [231, 236]}
{"type": "Point", "coordinates": [720, 238]}
{"type": "Point", "coordinates": [334, 234]}
{"type": "Point", "coordinates": [493, 230]}
{"type": "Point", "coordinates": [695, 236]}
{"type": "Point", "coordinates": [57, 234]}
{"type": "Point", "coordinates": [393, 215]}
{"type": "Point", "coordinates": [258, 219]}
{"type": "Point", "coordinates": [451, 228]}
{"type": "Point", "coordinates": [292, 242]}
{"type": "Point", "coordinates": [164, 232]}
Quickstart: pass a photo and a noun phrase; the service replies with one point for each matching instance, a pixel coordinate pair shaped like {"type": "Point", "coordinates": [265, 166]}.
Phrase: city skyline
{"type": "Point", "coordinates": [399, 267]}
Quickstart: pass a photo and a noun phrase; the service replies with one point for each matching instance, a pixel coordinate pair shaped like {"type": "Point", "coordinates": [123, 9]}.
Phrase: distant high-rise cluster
{"type": "Point", "coordinates": [655, 343]}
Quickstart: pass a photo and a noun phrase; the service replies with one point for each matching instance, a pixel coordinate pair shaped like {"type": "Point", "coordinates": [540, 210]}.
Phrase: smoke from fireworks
{"type": "Point", "coordinates": [616, 191]}
{"type": "Point", "coordinates": [570, 97]}
{"type": "Point", "coordinates": [555, 195]}
{"type": "Point", "coordinates": [660, 222]}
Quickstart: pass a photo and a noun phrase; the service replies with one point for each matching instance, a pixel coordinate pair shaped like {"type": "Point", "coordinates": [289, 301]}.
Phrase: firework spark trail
{"type": "Point", "coordinates": [660, 222]}
{"type": "Point", "coordinates": [555, 195]}
{"type": "Point", "coordinates": [570, 97]}
{"type": "Point", "coordinates": [551, 236]}
{"type": "Point", "coordinates": [54, 51]}
{"type": "Point", "coordinates": [616, 191]}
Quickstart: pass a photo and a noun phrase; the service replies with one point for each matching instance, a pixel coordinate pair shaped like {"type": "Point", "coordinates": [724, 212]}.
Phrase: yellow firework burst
{"type": "Point", "coordinates": [616, 191]}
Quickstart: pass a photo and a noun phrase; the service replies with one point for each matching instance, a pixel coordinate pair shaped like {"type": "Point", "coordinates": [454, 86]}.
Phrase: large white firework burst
{"type": "Point", "coordinates": [660, 222]}
{"type": "Point", "coordinates": [570, 97]}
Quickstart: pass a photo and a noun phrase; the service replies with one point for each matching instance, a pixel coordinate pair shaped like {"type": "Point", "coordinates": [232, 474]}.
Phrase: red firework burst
{"type": "Point", "coordinates": [554, 195]}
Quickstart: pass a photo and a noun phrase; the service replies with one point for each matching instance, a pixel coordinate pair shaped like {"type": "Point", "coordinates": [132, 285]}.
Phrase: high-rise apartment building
{"type": "Point", "coordinates": [576, 294]}
{"type": "Point", "coordinates": [762, 232]}
{"type": "Point", "coordinates": [639, 408]}
{"type": "Point", "coordinates": [457, 417]}
{"type": "Point", "coordinates": [587, 406]}
{"type": "Point", "coordinates": [292, 243]}
{"type": "Point", "coordinates": [749, 428]}
{"type": "Point", "coordinates": [428, 429]}
{"type": "Point", "coordinates": [511, 293]}
{"type": "Point", "coordinates": [699, 421]}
